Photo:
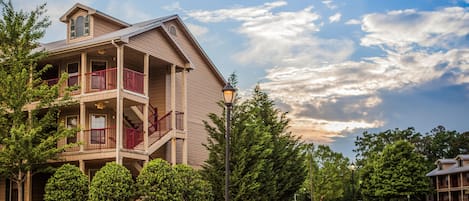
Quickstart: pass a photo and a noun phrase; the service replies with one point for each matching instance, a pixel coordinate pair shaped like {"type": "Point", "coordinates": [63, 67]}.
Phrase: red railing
{"type": "Point", "coordinates": [101, 80]}
{"type": "Point", "coordinates": [133, 80]}
{"type": "Point", "coordinates": [163, 125]}
{"type": "Point", "coordinates": [52, 82]}
{"type": "Point", "coordinates": [133, 137]}
{"type": "Point", "coordinates": [102, 138]}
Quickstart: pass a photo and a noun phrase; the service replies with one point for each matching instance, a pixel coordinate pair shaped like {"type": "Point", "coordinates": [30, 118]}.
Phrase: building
{"type": "Point", "coordinates": [450, 179]}
{"type": "Point", "coordinates": [144, 91]}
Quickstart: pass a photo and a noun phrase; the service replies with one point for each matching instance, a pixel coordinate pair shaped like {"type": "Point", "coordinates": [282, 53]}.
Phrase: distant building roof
{"type": "Point", "coordinates": [455, 168]}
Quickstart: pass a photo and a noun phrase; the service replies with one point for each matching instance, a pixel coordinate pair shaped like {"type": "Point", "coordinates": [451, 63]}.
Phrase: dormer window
{"type": "Point", "coordinates": [80, 26]}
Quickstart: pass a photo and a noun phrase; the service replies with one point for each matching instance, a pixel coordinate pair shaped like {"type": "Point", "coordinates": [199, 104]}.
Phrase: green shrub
{"type": "Point", "coordinates": [112, 182]}
{"type": "Point", "coordinates": [157, 181]}
{"type": "Point", "coordinates": [194, 187]}
{"type": "Point", "coordinates": [67, 183]}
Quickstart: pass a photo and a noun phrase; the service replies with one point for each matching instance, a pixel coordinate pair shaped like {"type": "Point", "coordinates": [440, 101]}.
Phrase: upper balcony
{"type": "Point", "coordinates": [102, 80]}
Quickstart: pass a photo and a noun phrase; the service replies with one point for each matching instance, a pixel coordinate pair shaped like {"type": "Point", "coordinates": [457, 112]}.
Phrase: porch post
{"type": "Point", "coordinates": [83, 72]}
{"type": "Point", "coordinates": [184, 110]}
{"type": "Point", "coordinates": [173, 114]}
{"type": "Point", "coordinates": [119, 103]}
{"type": "Point", "coordinates": [81, 163]}
{"type": "Point", "coordinates": [82, 125]}
{"type": "Point", "coordinates": [146, 74]}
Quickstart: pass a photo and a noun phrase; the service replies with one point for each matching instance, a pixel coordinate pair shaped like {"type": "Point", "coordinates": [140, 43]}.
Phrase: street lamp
{"type": "Point", "coordinates": [228, 96]}
{"type": "Point", "coordinates": [352, 168]}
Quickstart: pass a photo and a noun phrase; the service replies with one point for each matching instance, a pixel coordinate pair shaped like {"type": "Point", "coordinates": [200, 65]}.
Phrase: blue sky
{"type": "Point", "coordinates": [338, 67]}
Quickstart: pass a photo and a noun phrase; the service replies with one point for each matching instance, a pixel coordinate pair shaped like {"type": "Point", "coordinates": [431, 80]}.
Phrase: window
{"type": "Point", "coordinates": [80, 26]}
{"type": "Point", "coordinates": [98, 129]}
{"type": "Point", "coordinates": [72, 122]}
{"type": "Point", "coordinates": [98, 76]}
{"type": "Point", "coordinates": [172, 30]}
{"type": "Point", "coordinates": [72, 70]}
{"type": "Point", "coordinates": [460, 162]}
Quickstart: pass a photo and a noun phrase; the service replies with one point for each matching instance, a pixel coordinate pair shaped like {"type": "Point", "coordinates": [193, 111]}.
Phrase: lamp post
{"type": "Point", "coordinates": [228, 96]}
{"type": "Point", "coordinates": [352, 168]}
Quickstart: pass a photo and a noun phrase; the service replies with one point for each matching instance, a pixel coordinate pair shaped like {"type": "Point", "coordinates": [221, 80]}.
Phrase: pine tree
{"type": "Point", "coordinates": [266, 160]}
{"type": "Point", "coordinates": [28, 135]}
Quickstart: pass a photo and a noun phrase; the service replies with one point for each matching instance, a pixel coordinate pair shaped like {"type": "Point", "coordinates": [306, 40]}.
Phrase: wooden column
{"type": "Point", "coordinates": [184, 110]}
{"type": "Point", "coordinates": [81, 163]}
{"type": "Point", "coordinates": [82, 125]}
{"type": "Point", "coordinates": [119, 103]}
{"type": "Point", "coordinates": [173, 114]}
{"type": "Point", "coordinates": [146, 74]}
{"type": "Point", "coordinates": [83, 63]}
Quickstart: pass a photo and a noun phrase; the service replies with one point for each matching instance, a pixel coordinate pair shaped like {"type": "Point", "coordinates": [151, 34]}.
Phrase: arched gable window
{"type": "Point", "coordinates": [80, 26]}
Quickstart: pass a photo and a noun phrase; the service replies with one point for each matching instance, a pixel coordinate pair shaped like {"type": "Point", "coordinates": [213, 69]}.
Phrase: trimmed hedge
{"type": "Point", "coordinates": [112, 182]}
{"type": "Point", "coordinates": [67, 183]}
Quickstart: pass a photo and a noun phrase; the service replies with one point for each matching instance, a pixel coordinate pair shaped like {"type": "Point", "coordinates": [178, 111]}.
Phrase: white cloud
{"type": "Point", "coordinates": [239, 14]}
{"type": "Point", "coordinates": [329, 4]}
{"type": "Point", "coordinates": [279, 38]}
{"type": "Point", "coordinates": [400, 30]}
{"type": "Point", "coordinates": [127, 11]}
{"type": "Point", "coordinates": [175, 6]}
{"type": "Point", "coordinates": [353, 22]}
{"type": "Point", "coordinates": [335, 18]}
{"type": "Point", "coordinates": [198, 31]}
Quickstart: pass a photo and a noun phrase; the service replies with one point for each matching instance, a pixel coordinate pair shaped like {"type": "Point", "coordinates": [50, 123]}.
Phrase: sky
{"type": "Point", "coordinates": [338, 67]}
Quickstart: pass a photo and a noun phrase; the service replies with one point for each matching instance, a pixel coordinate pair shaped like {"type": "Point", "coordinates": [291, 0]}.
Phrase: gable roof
{"type": "Point", "coordinates": [91, 11]}
{"type": "Point", "coordinates": [124, 34]}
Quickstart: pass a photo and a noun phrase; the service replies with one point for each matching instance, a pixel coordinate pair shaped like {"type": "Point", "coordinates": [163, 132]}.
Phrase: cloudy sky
{"type": "Point", "coordinates": [338, 67]}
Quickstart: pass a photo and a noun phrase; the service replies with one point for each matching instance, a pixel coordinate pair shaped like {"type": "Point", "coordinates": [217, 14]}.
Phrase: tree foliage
{"type": "Point", "coordinates": [194, 188]}
{"type": "Point", "coordinates": [158, 181]}
{"type": "Point", "coordinates": [67, 183]}
{"type": "Point", "coordinates": [328, 175]}
{"type": "Point", "coordinates": [398, 172]}
{"type": "Point", "coordinates": [113, 182]}
{"type": "Point", "coordinates": [266, 160]}
{"type": "Point", "coordinates": [28, 136]}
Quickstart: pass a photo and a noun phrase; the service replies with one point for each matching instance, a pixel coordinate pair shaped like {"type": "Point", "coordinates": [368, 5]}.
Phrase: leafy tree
{"type": "Point", "coordinates": [267, 162]}
{"type": "Point", "coordinates": [113, 182]}
{"type": "Point", "coordinates": [28, 134]}
{"type": "Point", "coordinates": [158, 181]}
{"type": "Point", "coordinates": [399, 172]}
{"type": "Point", "coordinates": [194, 188]}
{"type": "Point", "coordinates": [67, 183]}
{"type": "Point", "coordinates": [328, 175]}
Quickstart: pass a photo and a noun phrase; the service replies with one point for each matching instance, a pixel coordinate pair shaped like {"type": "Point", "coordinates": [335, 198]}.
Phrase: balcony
{"type": "Point", "coordinates": [103, 80]}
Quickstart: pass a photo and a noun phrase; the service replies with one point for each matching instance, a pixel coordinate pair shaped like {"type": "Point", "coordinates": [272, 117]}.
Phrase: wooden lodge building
{"type": "Point", "coordinates": [144, 90]}
{"type": "Point", "coordinates": [450, 179]}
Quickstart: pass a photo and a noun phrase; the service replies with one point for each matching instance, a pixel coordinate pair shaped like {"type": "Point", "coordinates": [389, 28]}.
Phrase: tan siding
{"type": "Point", "coordinates": [102, 26]}
{"type": "Point", "coordinates": [203, 91]}
{"type": "Point", "coordinates": [156, 45]}
{"type": "Point", "coordinates": [156, 89]}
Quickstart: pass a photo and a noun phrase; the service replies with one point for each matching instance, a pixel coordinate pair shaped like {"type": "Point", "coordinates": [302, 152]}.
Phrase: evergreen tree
{"type": "Point", "coordinates": [267, 162]}
{"type": "Point", "coordinates": [28, 135]}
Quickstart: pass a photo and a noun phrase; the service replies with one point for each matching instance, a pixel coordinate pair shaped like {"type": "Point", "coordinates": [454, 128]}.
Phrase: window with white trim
{"type": "Point", "coordinates": [80, 26]}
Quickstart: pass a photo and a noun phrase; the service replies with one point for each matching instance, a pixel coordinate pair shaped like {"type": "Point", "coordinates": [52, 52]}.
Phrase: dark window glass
{"type": "Point", "coordinates": [80, 26]}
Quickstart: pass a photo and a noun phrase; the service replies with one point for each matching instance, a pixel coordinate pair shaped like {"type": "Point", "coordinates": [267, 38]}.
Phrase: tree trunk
{"type": "Point", "coordinates": [20, 186]}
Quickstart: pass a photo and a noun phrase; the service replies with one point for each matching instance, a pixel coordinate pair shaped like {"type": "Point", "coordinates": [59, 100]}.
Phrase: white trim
{"type": "Point", "coordinates": [105, 126]}
{"type": "Point", "coordinates": [78, 124]}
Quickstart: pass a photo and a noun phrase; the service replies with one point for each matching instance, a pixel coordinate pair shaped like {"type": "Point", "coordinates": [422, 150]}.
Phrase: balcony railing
{"type": "Point", "coordinates": [103, 80]}
{"type": "Point", "coordinates": [163, 125]}
{"type": "Point", "coordinates": [133, 81]}
{"type": "Point", "coordinates": [102, 138]}
{"type": "Point", "coordinates": [132, 138]}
